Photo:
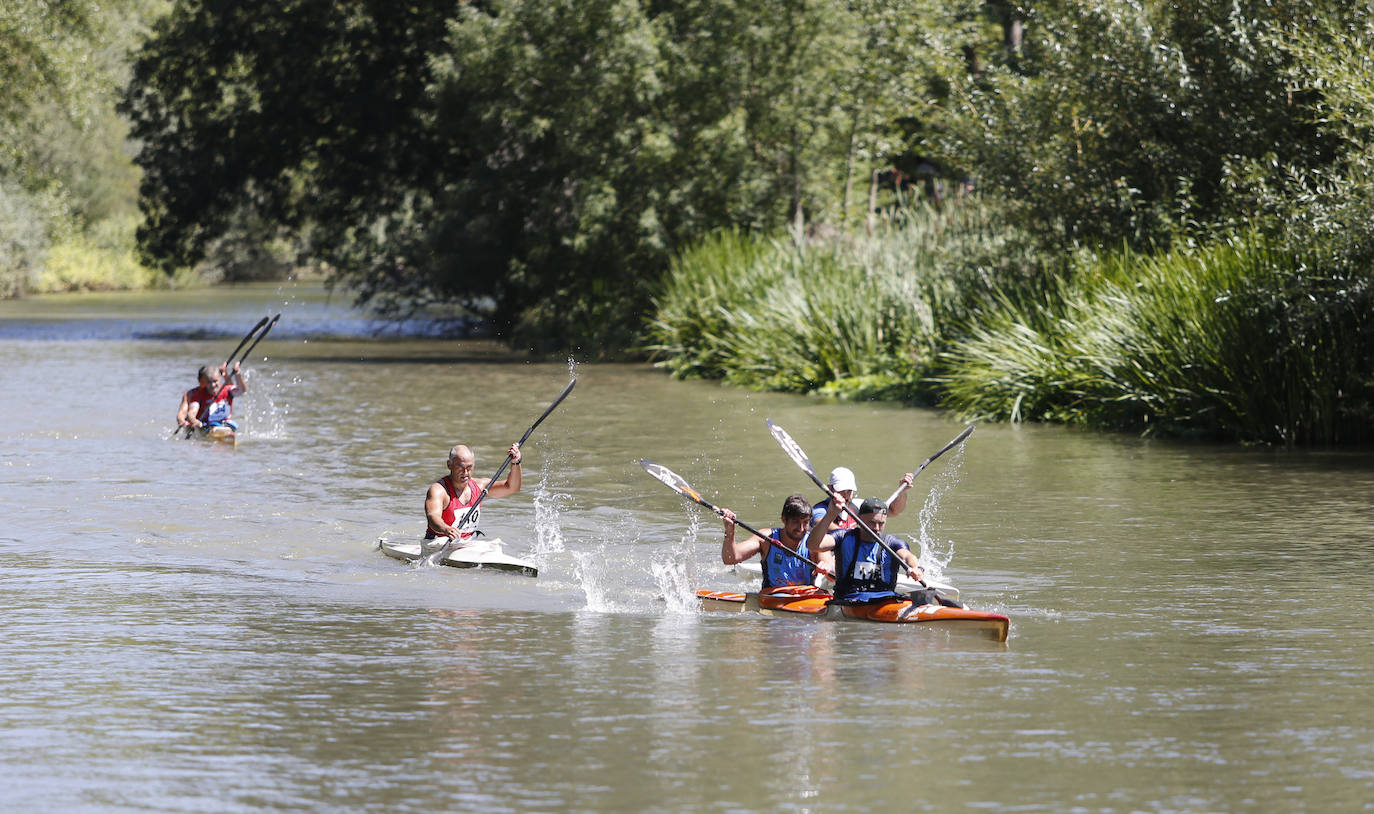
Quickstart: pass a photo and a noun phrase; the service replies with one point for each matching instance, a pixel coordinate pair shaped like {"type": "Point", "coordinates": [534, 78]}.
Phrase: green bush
{"type": "Point", "coordinates": [851, 317]}
{"type": "Point", "coordinates": [99, 259]}
{"type": "Point", "coordinates": [1240, 339]}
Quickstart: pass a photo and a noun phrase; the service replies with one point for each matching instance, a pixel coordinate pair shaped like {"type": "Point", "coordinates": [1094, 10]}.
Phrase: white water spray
{"type": "Point", "coordinates": [936, 557]}
{"type": "Point", "coordinates": [673, 574]}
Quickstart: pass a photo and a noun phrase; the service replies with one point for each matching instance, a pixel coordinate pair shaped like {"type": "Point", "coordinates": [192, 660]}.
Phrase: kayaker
{"type": "Point", "coordinates": [451, 496]}
{"type": "Point", "coordinates": [780, 569]}
{"type": "Point", "coordinates": [211, 403]}
{"type": "Point", "coordinates": [842, 482]}
{"type": "Point", "coordinates": [865, 571]}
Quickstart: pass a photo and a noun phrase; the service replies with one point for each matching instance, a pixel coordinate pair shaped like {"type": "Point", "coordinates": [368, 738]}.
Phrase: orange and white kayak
{"type": "Point", "coordinates": [807, 601]}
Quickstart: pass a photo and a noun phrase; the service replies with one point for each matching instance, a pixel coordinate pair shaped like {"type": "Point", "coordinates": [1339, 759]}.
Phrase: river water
{"type": "Point", "coordinates": [197, 628]}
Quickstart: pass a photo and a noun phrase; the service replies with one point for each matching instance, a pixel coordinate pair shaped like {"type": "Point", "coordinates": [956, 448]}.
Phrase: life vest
{"type": "Point", "coordinates": [781, 568]}
{"type": "Point", "coordinates": [845, 521]}
{"type": "Point", "coordinates": [215, 408]}
{"type": "Point", "coordinates": [864, 570]}
{"type": "Point", "coordinates": [456, 508]}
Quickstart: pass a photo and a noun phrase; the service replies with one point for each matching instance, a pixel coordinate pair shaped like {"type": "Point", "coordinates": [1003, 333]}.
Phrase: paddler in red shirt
{"type": "Point", "coordinates": [450, 497]}
{"type": "Point", "coordinates": [212, 401]}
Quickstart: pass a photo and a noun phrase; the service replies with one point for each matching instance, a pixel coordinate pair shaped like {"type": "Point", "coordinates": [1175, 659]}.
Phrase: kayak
{"type": "Point", "coordinates": [816, 604]}
{"type": "Point", "coordinates": [219, 434]}
{"type": "Point", "coordinates": [483, 553]}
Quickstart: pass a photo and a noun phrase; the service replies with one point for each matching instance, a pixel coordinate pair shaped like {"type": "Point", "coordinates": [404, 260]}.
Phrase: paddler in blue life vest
{"type": "Point", "coordinates": [780, 569]}
{"type": "Point", "coordinates": [842, 483]}
{"type": "Point", "coordinates": [450, 497]}
{"type": "Point", "coordinates": [865, 572]}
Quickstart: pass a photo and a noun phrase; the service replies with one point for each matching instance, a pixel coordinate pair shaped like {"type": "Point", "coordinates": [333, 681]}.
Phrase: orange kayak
{"type": "Point", "coordinates": [816, 603]}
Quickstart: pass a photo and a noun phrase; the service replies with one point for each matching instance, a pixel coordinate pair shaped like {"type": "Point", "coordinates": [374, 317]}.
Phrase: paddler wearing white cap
{"type": "Point", "coordinates": [843, 483]}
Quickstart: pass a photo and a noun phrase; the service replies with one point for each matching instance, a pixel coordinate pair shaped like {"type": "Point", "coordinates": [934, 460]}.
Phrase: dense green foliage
{"type": "Point", "coordinates": [537, 162]}
{"type": "Point", "coordinates": [1139, 121]}
{"type": "Point", "coordinates": [65, 175]}
{"type": "Point", "coordinates": [1147, 215]}
{"type": "Point", "coordinates": [1197, 180]}
{"type": "Point", "coordinates": [1239, 339]}
{"type": "Point", "coordinates": [859, 317]}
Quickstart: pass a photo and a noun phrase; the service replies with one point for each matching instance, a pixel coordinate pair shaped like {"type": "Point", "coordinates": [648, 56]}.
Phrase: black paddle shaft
{"type": "Point", "coordinates": [243, 342]}
{"type": "Point", "coordinates": [246, 353]}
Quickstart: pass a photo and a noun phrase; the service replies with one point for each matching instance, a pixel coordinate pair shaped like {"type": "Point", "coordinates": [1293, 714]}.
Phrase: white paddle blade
{"type": "Point", "coordinates": [790, 447]}
{"type": "Point", "coordinates": [671, 479]}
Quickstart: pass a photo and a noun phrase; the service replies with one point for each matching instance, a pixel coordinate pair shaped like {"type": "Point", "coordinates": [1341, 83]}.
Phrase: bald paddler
{"type": "Point", "coordinates": [780, 569]}
{"type": "Point", "coordinates": [450, 497]}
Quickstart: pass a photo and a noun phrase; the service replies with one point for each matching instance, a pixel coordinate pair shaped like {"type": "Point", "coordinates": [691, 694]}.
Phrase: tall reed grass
{"type": "Point", "coordinates": [1240, 339]}
{"type": "Point", "coordinates": [851, 316]}
{"type": "Point", "coordinates": [1252, 338]}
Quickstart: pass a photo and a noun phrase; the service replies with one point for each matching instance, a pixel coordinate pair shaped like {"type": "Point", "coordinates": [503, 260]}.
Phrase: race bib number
{"type": "Point", "coordinates": [865, 570]}
{"type": "Point", "coordinates": [474, 516]}
{"type": "Point", "coordinates": [218, 413]}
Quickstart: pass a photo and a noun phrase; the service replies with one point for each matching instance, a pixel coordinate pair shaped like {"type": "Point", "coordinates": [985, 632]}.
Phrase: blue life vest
{"type": "Point", "coordinates": [864, 570]}
{"type": "Point", "coordinates": [781, 568]}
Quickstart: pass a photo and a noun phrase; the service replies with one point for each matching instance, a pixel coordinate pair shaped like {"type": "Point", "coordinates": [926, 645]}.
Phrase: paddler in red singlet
{"type": "Point", "coordinates": [212, 401]}
{"type": "Point", "coordinates": [450, 497]}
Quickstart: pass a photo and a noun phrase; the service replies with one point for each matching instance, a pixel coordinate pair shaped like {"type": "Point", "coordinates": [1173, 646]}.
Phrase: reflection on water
{"type": "Point", "coordinates": [194, 628]}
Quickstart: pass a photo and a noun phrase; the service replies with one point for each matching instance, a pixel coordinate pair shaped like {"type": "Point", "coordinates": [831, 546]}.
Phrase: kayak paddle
{"type": "Point", "coordinates": [438, 556]}
{"type": "Point", "coordinates": [270, 325]}
{"type": "Point", "coordinates": [677, 484]}
{"type": "Point", "coordinates": [946, 448]}
{"type": "Point", "coordinates": [245, 339]}
{"type": "Point", "coordinates": [794, 451]}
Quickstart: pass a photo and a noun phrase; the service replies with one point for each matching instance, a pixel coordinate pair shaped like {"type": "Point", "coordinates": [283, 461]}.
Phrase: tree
{"type": "Point", "coordinates": [1129, 121]}
{"type": "Point", "coordinates": [535, 162]}
{"type": "Point", "coordinates": [63, 163]}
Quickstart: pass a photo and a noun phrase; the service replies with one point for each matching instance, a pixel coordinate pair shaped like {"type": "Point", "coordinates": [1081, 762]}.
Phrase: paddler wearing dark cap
{"type": "Point", "coordinates": [865, 571]}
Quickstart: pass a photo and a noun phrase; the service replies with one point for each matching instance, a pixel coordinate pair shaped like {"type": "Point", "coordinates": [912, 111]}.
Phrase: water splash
{"type": "Point", "coordinates": [548, 509]}
{"type": "Point", "coordinates": [674, 574]}
{"type": "Point", "coordinates": [268, 417]}
{"type": "Point", "coordinates": [592, 572]}
{"type": "Point", "coordinates": [935, 556]}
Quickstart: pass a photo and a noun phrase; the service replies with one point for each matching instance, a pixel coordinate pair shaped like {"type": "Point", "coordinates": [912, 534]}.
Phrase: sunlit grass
{"type": "Point", "coordinates": [1238, 339]}
{"type": "Point", "coordinates": [1244, 339]}
{"type": "Point", "coordinates": [853, 317]}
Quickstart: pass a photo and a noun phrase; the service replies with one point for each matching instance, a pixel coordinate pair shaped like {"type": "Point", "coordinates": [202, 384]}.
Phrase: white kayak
{"type": "Point", "coordinates": [905, 584]}
{"type": "Point", "coordinates": [480, 553]}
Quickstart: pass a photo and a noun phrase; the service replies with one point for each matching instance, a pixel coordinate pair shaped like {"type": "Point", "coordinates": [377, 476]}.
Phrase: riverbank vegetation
{"type": "Point", "coordinates": [1187, 227]}
{"type": "Point", "coordinates": [1141, 215]}
{"type": "Point", "coordinates": [68, 187]}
